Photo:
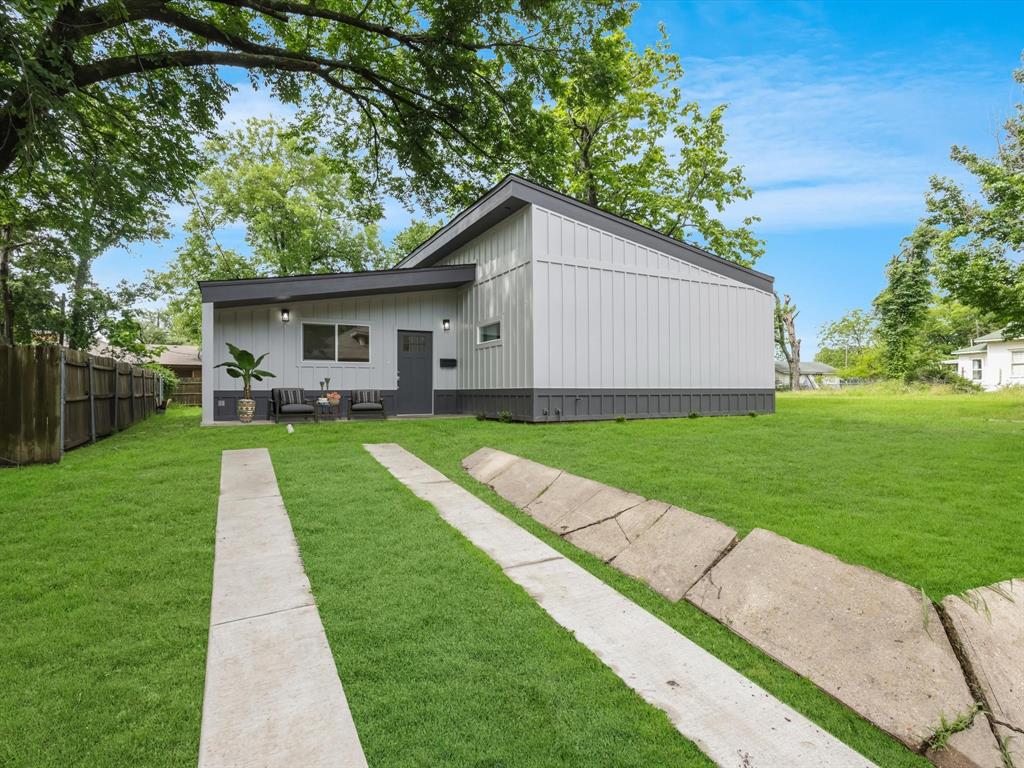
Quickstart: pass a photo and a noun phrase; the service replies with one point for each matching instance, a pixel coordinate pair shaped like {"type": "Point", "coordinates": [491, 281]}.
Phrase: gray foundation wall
{"type": "Point", "coordinates": [552, 405]}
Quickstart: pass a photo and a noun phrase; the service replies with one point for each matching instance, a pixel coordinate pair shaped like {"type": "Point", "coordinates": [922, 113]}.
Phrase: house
{"type": "Point", "coordinates": [812, 375]}
{"type": "Point", "coordinates": [528, 303]}
{"type": "Point", "coordinates": [183, 359]}
{"type": "Point", "coordinates": [992, 361]}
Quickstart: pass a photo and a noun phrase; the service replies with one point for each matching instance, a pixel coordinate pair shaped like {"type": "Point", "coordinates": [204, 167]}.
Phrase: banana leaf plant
{"type": "Point", "coordinates": [245, 367]}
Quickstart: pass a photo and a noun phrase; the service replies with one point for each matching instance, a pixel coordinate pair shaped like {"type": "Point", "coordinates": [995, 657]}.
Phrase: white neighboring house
{"type": "Point", "coordinates": [992, 361]}
{"type": "Point", "coordinates": [812, 375]}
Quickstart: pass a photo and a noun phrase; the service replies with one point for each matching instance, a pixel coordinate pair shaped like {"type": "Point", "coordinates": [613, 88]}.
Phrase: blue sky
{"type": "Point", "coordinates": [839, 113]}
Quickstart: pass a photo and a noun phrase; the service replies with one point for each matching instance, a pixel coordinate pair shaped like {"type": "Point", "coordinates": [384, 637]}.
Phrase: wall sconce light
{"type": "Point", "coordinates": [446, 324]}
{"type": "Point", "coordinates": [285, 316]}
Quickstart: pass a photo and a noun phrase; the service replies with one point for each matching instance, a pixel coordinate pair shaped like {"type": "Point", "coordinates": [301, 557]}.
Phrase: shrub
{"type": "Point", "coordinates": [505, 417]}
{"type": "Point", "coordinates": [620, 419]}
{"type": "Point", "coordinates": [693, 415]}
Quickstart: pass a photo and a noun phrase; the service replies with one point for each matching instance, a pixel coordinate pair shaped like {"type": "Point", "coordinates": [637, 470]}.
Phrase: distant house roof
{"type": "Point", "coordinates": [981, 343]}
{"type": "Point", "coordinates": [971, 350]}
{"type": "Point", "coordinates": [181, 355]}
{"type": "Point", "coordinates": [994, 336]}
{"type": "Point", "coordinates": [806, 366]}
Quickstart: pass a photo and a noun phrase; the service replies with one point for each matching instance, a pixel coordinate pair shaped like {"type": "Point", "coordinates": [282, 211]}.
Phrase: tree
{"type": "Point", "coordinates": [903, 305]}
{"type": "Point", "coordinates": [975, 245]}
{"type": "Point", "coordinates": [406, 241]}
{"type": "Point", "coordinates": [297, 210]}
{"type": "Point", "coordinates": [851, 334]}
{"type": "Point", "coordinates": [786, 341]}
{"type": "Point", "coordinates": [607, 130]}
{"type": "Point", "coordinates": [436, 88]}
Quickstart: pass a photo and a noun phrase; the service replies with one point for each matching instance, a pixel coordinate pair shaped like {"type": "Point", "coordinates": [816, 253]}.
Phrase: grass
{"type": "Point", "coordinates": [107, 562]}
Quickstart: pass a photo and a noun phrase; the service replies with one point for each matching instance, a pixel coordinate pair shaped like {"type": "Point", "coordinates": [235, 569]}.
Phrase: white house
{"type": "Point", "coordinates": [529, 302]}
{"type": "Point", "coordinates": [992, 361]}
{"type": "Point", "coordinates": [813, 375]}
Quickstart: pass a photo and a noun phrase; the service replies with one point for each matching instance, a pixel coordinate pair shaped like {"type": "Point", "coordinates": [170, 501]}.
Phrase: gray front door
{"type": "Point", "coordinates": [415, 372]}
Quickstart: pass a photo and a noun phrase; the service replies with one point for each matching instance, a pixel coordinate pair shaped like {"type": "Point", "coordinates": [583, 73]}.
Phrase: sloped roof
{"type": "Point", "coordinates": [179, 354]}
{"type": "Point", "coordinates": [513, 192]}
{"type": "Point", "coordinates": [994, 336]}
{"type": "Point", "coordinates": [806, 366]}
{"type": "Point", "coordinates": [971, 350]}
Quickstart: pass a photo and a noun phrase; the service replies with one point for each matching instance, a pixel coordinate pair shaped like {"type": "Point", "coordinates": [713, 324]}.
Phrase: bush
{"type": "Point", "coordinates": [620, 419]}
{"type": "Point", "coordinates": [505, 417]}
{"type": "Point", "coordinates": [170, 377]}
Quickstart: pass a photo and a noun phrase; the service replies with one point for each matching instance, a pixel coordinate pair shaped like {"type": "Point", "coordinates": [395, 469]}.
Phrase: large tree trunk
{"type": "Point", "coordinates": [786, 338]}
{"type": "Point", "coordinates": [6, 298]}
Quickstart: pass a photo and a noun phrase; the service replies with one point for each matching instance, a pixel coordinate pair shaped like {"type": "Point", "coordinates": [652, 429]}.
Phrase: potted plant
{"type": "Point", "coordinates": [334, 398]}
{"type": "Point", "coordinates": [245, 367]}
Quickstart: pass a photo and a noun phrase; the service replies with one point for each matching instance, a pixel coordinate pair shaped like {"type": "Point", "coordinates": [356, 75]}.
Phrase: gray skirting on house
{"type": "Point", "coordinates": [553, 405]}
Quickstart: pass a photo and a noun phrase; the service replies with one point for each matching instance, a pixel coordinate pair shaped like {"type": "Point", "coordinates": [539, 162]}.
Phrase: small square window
{"type": "Point", "coordinates": [413, 343]}
{"type": "Point", "coordinates": [489, 332]}
{"type": "Point", "coordinates": [976, 370]}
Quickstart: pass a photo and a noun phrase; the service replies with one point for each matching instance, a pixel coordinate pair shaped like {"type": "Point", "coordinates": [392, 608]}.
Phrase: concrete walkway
{"type": "Point", "coordinates": [732, 720]}
{"type": "Point", "coordinates": [273, 696]}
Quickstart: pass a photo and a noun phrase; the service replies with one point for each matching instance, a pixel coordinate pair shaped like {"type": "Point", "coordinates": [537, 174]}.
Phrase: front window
{"type": "Point", "coordinates": [353, 343]}
{"type": "Point", "coordinates": [976, 370]}
{"type": "Point", "coordinates": [317, 342]}
{"type": "Point", "coordinates": [336, 342]}
{"type": "Point", "coordinates": [489, 332]}
{"type": "Point", "coordinates": [1017, 364]}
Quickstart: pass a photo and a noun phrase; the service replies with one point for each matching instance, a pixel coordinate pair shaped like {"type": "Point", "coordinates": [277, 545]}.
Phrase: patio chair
{"type": "Point", "coordinates": [366, 404]}
{"type": "Point", "coordinates": [290, 402]}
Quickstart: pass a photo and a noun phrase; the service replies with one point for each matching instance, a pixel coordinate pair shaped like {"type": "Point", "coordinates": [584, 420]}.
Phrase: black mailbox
{"type": "Point", "coordinates": [447, 362]}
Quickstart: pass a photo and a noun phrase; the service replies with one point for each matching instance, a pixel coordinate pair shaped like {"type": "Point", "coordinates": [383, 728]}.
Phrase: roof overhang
{"type": "Point", "coordinates": [278, 290]}
{"type": "Point", "coordinates": [513, 192]}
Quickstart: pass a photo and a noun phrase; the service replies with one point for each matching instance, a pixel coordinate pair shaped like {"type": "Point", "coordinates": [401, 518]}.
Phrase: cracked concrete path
{"type": "Point", "coordinates": [273, 696]}
{"type": "Point", "coordinates": [730, 718]}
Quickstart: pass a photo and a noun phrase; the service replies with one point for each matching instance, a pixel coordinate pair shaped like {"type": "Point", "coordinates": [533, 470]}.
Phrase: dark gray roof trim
{"type": "Point", "coordinates": [276, 290]}
{"type": "Point", "coordinates": [513, 192]}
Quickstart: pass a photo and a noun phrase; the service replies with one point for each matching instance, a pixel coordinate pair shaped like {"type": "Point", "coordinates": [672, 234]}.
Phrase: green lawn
{"type": "Point", "coordinates": [106, 563]}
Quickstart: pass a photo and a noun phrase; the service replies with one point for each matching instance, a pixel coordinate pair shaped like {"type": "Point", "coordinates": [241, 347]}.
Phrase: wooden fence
{"type": "Point", "coordinates": [52, 400]}
{"type": "Point", "coordinates": [189, 391]}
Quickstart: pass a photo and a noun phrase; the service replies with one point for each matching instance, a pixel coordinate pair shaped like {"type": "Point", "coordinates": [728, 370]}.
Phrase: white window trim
{"type": "Point", "coordinates": [977, 372]}
{"type": "Point", "coordinates": [335, 362]}
{"type": "Point", "coordinates": [1012, 364]}
{"type": "Point", "coordinates": [494, 342]}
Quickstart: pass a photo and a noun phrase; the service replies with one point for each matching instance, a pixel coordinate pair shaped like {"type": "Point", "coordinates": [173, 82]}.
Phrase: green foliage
{"type": "Point", "coordinates": [975, 244]}
{"type": "Point", "coordinates": [505, 417]}
{"type": "Point", "coordinates": [170, 378]}
{"type": "Point", "coordinates": [903, 306]}
{"type": "Point", "coordinates": [606, 144]}
{"type": "Point", "coordinates": [406, 241]}
{"type": "Point", "coordinates": [245, 366]}
{"type": "Point", "coordinates": [296, 206]}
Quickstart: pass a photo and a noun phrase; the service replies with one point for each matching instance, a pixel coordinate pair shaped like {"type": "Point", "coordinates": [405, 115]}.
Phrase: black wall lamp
{"type": "Point", "coordinates": [446, 324]}
{"type": "Point", "coordinates": [285, 315]}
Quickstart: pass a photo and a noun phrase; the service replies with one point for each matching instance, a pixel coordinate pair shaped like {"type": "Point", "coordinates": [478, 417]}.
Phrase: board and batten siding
{"type": "Point", "coordinates": [502, 291]}
{"type": "Point", "coordinates": [259, 329]}
{"type": "Point", "coordinates": [613, 314]}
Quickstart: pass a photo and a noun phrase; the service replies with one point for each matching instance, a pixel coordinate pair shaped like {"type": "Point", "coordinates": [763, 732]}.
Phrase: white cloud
{"type": "Point", "coordinates": [828, 143]}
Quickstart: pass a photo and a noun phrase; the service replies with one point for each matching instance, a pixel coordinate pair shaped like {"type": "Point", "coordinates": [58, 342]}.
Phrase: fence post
{"type": "Point", "coordinates": [117, 395]}
{"type": "Point", "coordinates": [62, 387]}
{"type": "Point", "coordinates": [92, 401]}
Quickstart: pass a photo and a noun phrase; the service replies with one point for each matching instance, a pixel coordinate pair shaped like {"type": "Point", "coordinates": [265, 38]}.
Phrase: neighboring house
{"type": "Point", "coordinates": [183, 359]}
{"type": "Point", "coordinates": [812, 375]}
{"type": "Point", "coordinates": [992, 361]}
{"type": "Point", "coordinates": [528, 302]}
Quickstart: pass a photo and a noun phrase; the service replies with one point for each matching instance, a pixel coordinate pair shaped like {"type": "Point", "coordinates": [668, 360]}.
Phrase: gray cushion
{"type": "Point", "coordinates": [296, 408]}
{"type": "Point", "coordinates": [367, 407]}
{"type": "Point", "coordinates": [288, 395]}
